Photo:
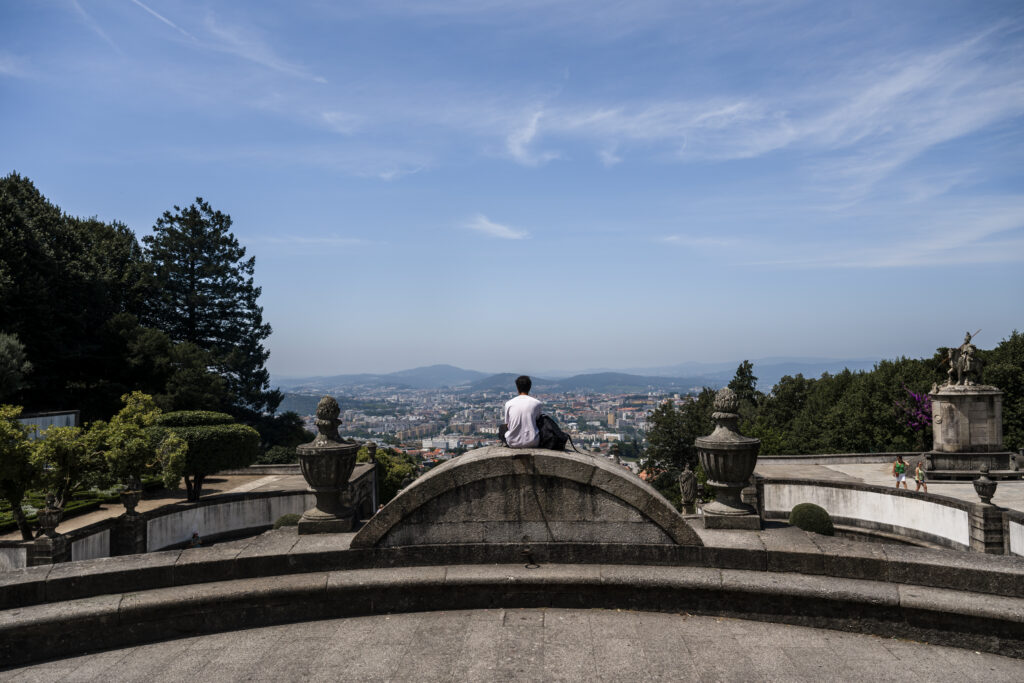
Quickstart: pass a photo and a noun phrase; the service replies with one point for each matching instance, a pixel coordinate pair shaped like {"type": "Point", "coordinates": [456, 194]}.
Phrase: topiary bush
{"type": "Point", "coordinates": [194, 418]}
{"type": "Point", "coordinates": [278, 455]}
{"type": "Point", "coordinates": [213, 445]}
{"type": "Point", "coordinates": [290, 519]}
{"type": "Point", "coordinates": [811, 517]}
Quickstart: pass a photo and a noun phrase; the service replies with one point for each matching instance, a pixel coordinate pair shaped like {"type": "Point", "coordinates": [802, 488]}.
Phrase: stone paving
{"type": "Point", "coordinates": [531, 645]}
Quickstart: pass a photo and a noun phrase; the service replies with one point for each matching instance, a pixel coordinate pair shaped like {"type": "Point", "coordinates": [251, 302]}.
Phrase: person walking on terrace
{"type": "Point", "coordinates": [519, 417]}
{"type": "Point", "coordinates": [919, 477]}
{"type": "Point", "coordinates": [899, 470]}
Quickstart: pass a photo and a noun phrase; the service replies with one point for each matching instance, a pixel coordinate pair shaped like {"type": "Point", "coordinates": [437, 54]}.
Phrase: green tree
{"type": "Point", "coordinates": [672, 431]}
{"type": "Point", "coordinates": [213, 442]}
{"type": "Point", "coordinates": [68, 459]}
{"type": "Point", "coordinates": [393, 468]}
{"type": "Point", "coordinates": [207, 297]}
{"type": "Point", "coordinates": [16, 472]}
{"type": "Point", "coordinates": [61, 280]}
{"type": "Point", "coordinates": [1005, 370]}
{"type": "Point", "coordinates": [130, 442]}
{"type": "Point", "coordinates": [176, 375]}
{"type": "Point", "coordinates": [744, 384]}
{"type": "Point", "coordinates": [14, 365]}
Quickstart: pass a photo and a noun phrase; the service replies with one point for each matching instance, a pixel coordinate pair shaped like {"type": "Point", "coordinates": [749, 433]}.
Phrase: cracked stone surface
{"type": "Point", "coordinates": [531, 644]}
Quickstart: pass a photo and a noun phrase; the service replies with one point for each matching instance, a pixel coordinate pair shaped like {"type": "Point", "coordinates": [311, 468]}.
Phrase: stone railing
{"type": "Point", "coordinates": [221, 516]}
{"type": "Point", "coordinates": [921, 518]}
{"type": "Point", "coordinates": [836, 458]}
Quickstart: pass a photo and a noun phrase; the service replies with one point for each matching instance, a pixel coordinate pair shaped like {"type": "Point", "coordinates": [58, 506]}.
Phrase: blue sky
{"type": "Point", "coordinates": [522, 186]}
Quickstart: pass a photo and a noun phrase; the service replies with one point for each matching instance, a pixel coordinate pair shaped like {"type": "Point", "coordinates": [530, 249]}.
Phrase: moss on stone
{"type": "Point", "coordinates": [290, 519]}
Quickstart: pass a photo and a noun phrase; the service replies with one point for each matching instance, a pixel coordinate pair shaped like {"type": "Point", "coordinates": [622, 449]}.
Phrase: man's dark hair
{"type": "Point", "coordinates": [523, 384]}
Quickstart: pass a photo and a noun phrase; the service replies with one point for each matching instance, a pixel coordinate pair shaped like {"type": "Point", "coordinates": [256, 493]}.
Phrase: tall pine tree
{"type": "Point", "coordinates": [206, 296]}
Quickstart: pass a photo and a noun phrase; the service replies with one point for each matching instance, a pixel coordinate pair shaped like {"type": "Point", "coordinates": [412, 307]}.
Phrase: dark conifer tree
{"type": "Point", "coordinates": [206, 296]}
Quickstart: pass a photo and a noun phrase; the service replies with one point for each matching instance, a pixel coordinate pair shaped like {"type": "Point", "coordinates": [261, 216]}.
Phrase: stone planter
{"type": "Point", "coordinates": [728, 459]}
{"type": "Point", "coordinates": [985, 487]}
{"type": "Point", "coordinates": [48, 518]}
{"type": "Point", "coordinates": [130, 498]}
{"type": "Point", "coordinates": [327, 464]}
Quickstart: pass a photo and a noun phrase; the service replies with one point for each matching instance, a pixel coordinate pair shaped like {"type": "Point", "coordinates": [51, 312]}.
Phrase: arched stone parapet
{"type": "Point", "coordinates": [505, 495]}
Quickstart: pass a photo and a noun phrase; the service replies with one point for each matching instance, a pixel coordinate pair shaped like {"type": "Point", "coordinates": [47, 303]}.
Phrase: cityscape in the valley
{"type": "Point", "coordinates": [434, 425]}
{"type": "Point", "coordinates": [438, 412]}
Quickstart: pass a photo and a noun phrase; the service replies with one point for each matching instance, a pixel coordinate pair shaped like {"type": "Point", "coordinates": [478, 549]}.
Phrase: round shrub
{"type": "Point", "coordinates": [290, 519]}
{"type": "Point", "coordinates": [193, 418]}
{"type": "Point", "coordinates": [212, 448]}
{"type": "Point", "coordinates": [811, 517]}
{"type": "Point", "coordinates": [214, 443]}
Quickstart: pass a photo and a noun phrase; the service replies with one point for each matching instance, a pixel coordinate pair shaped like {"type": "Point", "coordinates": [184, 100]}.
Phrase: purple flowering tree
{"type": "Point", "coordinates": [916, 413]}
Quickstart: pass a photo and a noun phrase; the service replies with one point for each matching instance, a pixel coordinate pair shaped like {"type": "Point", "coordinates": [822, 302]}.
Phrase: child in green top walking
{"type": "Point", "coordinates": [919, 478]}
{"type": "Point", "coordinates": [899, 470]}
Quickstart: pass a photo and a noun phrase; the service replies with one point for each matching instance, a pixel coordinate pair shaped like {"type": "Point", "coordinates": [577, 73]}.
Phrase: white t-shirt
{"type": "Point", "coordinates": [520, 414]}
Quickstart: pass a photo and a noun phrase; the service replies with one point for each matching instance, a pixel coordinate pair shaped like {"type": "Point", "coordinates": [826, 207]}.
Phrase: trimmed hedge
{"type": "Point", "coordinates": [193, 418]}
{"type": "Point", "coordinates": [811, 517]}
{"type": "Point", "coordinates": [212, 448]}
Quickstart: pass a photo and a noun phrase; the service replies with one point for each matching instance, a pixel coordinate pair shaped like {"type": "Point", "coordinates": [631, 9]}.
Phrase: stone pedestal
{"type": "Point", "coordinates": [728, 459]}
{"type": "Point", "coordinates": [48, 550]}
{"type": "Point", "coordinates": [327, 465]}
{"type": "Point", "coordinates": [130, 534]}
{"type": "Point", "coordinates": [967, 429]}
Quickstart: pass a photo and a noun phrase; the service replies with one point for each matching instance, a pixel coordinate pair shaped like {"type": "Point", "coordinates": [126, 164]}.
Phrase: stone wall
{"type": "Point", "coordinates": [930, 518]}
{"type": "Point", "coordinates": [504, 495]}
{"type": "Point", "coordinates": [91, 546]}
{"type": "Point", "coordinates": [1013, 532]}
{"type": "Point", "coordinates": [834, 458]}
{"type": "Point", "coordinates": [234, 516]}
{"type": "Point", "coordinates": [13, 557]}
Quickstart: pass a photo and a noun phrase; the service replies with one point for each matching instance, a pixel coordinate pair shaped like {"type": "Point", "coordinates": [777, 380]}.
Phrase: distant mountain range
{"type": "Point", "coordinates": [682, 378]}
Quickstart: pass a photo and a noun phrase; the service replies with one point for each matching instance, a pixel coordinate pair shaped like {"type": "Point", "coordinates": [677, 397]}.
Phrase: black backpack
{"type": "Point", "coordinates": [551, 436]}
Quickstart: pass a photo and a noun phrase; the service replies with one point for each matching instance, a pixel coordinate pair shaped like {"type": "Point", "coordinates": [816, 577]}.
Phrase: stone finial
{"type": "Point", "coordinates": [327, 412]}
{"type": "Point", "coordinates": [726, 419]}
{"type": "Point", "coordinates": [726, 401]}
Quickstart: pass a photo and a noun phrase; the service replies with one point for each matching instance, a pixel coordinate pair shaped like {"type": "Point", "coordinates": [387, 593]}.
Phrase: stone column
{"type": "Point", "coordinates": [130, 534]}
{"type": "Point", "coordinates": [48, 550]}
{"type": "Point", "coordinates": [986, 518]}
{"type": "Point", "coordinates": [327, 464]}
{"type": "Point", "coordinates": [728, 459]}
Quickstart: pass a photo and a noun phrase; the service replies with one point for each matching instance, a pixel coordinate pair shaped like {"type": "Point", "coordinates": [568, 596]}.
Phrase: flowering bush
{"type": "Point", "coordinates": [916, 410]}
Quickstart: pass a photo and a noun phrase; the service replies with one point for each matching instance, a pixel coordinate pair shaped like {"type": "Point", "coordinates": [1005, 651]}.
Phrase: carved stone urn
{"type": "Point", "coordinates": [131, 495]}
{"type": "Point", "coordinates": [49, 517]}
{"type": "Point", "coordinates": [327, 464]}
{"type": "Point", "coordinates": [728, 459]}
{"type": "Point", "coordinates": [985, 487]}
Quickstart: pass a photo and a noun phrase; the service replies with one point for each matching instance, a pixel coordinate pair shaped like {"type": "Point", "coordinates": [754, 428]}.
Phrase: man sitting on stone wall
{"type": "Point", "coordinates": [519, 417]}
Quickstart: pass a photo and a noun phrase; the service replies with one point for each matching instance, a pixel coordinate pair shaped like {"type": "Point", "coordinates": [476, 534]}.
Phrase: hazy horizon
{"type": "Point", "coordinates": [554, 185]}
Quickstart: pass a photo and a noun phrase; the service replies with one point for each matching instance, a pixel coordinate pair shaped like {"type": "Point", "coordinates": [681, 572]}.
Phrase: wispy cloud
{"type": "Point", "coordinates": [165, 20]}
{"type": "Point", "coordinates": [395, 173]}
{"type": "Point", "coordinates": [248, 46]}
{"type": "Point", "coordinates": [983, 230]}
{"type": "Point", "coordinates": [94, 25]}
{"type": "Point", "coordinates": [608, 157]}
{"type": "Point", "coordinates": [341, 121]}
{"type": "Point", "coordinates": [320, 241]}
{"type": "Point", "coordinates": [518, 143]}
{"type": "Point", "coordinates": [13, 66]}
{"type": "Point", "coordinates": [481, 223]}
{"type": "Point", "coordinates": [694, 241]}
